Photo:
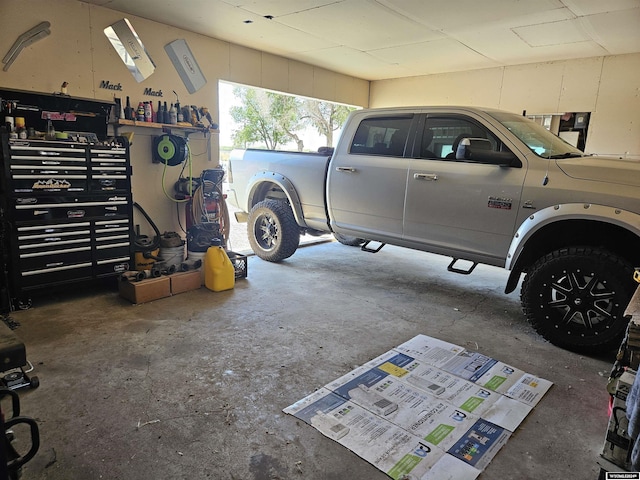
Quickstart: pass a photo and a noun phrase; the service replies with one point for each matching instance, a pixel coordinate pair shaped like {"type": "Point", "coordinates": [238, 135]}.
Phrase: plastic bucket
{"type": "Point", "coordinates": [172, 256]}
{"type": "Point", "coordinates": [194, 256]}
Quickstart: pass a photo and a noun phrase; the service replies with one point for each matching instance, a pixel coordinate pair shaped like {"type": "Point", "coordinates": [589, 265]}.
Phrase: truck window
{"type": "Point", "coordinates": [441, 136]}
{"type": "Point", "coordinates": [381, 136]}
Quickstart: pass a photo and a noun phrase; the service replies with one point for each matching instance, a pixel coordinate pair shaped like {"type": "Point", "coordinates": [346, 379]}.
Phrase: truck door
{"type": "Point", "coordinates": [464, 206]}
{"type": "Point", "coordinates": [367, 180]}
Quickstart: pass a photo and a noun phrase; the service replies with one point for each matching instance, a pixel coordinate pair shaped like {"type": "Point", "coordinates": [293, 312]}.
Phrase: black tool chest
{"type": "Point", "coordinates": [66, 213]}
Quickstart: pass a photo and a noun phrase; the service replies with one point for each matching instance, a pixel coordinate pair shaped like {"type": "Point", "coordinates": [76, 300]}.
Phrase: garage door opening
{"type": "Point", "coordinates": [263, 119]}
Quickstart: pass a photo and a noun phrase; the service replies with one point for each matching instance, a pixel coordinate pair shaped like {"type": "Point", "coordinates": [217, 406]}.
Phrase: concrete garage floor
{"type": "Point", "coordinates": [193, 386]}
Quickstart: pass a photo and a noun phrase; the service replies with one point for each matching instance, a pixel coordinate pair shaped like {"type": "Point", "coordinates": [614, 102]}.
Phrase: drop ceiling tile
{"type": "Point", "coordinates": [446, 14]}
{"type": "Point", "coordinates": [507, 24]}
{"type": "Point", "coordinates": [616, 31]}
{"type": "Point", "coordinates": [279, 8]}
{"type": "Point", "coordinates": [353, 62]}
{"type": "Point", "coordinates": [435, 57]}
{"type": "Point", "coordinates": [590, 7]}
{"type": "Point", "coordinates": [360, 24]}
{"type": "Point", "coordinates": [553, 33]}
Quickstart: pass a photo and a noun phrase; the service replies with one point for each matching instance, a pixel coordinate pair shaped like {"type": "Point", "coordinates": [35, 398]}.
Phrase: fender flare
{"type": "Point", "coordinates": [262, 177]}
{"type": "Point", "coordinates": [568, 211]}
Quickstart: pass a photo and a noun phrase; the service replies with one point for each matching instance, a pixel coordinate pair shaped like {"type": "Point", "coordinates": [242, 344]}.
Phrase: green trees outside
{"type": "Point", "coordinates": [273, 120]}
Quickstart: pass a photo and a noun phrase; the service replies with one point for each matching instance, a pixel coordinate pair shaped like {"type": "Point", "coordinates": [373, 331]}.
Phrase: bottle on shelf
{"type": "Point", "coordinates": [19, 127]}
{"type": "Point", "coordinates": [128, 111]}
{"type": "Point", "coordinates": [159, 113]}
{"type": "Point", "coordinates": [51, 131]}
{"type": "Point", "coordinates": [179, 117]}
{"type": "Point", "coordinates": [10, 124]}
{"type": "Point", "coordinates": [121, 112]}
{"type": "Point", "coordinates": [173, 115]}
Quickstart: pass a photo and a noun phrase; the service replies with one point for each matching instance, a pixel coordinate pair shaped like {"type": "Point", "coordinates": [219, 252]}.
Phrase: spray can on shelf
{"type": "Point", "coordinates": [140, 112]}
{"type": "Point", "coordinates": [148, 114]}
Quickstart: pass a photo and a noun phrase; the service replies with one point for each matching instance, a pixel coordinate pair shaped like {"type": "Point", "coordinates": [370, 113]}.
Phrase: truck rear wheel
{"type": "Point", "coordinates": [273, 231]}
{"type": "Point", "coordinates": [576, 298]}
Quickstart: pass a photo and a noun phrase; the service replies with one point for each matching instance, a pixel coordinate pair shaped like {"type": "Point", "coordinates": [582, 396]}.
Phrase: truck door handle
{"type": "Point", "coordinates": [345, 169]}
{"type": "Point", "coordinates": [425, 176]}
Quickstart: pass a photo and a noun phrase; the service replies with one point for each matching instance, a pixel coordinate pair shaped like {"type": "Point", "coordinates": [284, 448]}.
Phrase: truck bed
{"type": "Point", "coordinates": [305, 170]}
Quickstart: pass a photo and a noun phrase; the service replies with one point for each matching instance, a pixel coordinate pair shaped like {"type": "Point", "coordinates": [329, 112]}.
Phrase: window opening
{"type": "Point", "coordinates": [382, 136]}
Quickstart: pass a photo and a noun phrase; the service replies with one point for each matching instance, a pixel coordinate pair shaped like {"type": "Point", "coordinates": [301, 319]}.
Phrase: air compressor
{"type": "Point", "coordinates": [207, 217]}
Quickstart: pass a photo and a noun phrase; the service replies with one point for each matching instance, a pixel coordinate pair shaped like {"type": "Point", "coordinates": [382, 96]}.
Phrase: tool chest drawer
{"type": "Point", "coordinates": [55, 274]}
{"type": "Point", "coordinates": [112, 239]}
{"type": "Point", "coordinates": [38, 152]}
{"type": "Point", "coordinates": [47, 238]}
{"type": "Point", "coordinates": [37, 166]}
{"type": "Point", "coordinates": [109, 170]}
{"type": "Point", "coordinates": [55, 209]}
{"type": "Point", "coordinates": [28, 179]}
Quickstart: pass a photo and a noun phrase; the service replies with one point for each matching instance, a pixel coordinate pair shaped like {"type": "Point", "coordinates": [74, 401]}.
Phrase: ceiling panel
{"type": "Point", "coordinates": [616, 31]}
{"type": "Point", "coordinates": [438, 56]}
{"type": "Point", "coordinates": [448, 14]}
{"type": "Point", "coordinates": [349, 60]}
{"type": "Point", "coordinates": [590, 7]}
{"type": "Point", "coordinates": [361, 24]}
{"type": "Point", "coordinates": [279, 8]}
{"type": "Point", "coordinates": [554, 33]}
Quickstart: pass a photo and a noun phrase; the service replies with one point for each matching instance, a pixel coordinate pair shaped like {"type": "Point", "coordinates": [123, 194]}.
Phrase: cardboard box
{"type": "Point", "coordinates": [185, 281]}
{"type": "Point", "coordinates": [617, 444]}
{"type": "Point", "coordinates": [146, 290]}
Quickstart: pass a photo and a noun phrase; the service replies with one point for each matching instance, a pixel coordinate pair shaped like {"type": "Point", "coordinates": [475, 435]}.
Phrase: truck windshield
{"type": "Point", "coordinates": [539, 140]}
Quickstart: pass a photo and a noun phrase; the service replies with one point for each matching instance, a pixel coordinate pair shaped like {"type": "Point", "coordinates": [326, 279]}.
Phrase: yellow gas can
{"type": "Point", "coordinates": [219, 273]}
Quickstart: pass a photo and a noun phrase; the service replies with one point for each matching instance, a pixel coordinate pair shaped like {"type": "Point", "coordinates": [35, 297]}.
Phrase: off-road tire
{"type": "Point", "coordinates": [576, 297]}
{"type": "Point", "coordinates": [348, 240]}
{"type": "Point", "coordinates": [272, 229]}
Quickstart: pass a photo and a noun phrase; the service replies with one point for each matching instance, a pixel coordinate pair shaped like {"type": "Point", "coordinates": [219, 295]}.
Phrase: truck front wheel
{"type": "Point", "coordinates": [273, 232]}
{"type": "Point", "coordinates": [576, 298]}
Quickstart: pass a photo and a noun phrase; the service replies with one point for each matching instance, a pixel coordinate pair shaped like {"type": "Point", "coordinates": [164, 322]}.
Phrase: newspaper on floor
{"type": "Point", "coordinates": [425, 410]}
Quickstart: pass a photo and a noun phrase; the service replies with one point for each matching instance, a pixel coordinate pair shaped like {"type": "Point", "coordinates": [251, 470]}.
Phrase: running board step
{"type": "Point", "coordinates": [454, 269]}
{"type": "Point", "coordinates": [364, 247]}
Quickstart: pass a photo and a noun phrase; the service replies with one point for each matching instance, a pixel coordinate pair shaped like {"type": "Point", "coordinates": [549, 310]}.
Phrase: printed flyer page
{"type": "Point", "coordinates": [391, 449]}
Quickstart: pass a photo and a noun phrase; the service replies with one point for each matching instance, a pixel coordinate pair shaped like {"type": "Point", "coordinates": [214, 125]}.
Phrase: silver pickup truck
{"type": "Point", "coordinates": [478, 185]}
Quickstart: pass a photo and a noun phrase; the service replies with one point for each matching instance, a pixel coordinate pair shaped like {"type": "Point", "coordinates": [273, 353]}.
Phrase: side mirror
{"type": "Point", "coordinates": [502, 159]}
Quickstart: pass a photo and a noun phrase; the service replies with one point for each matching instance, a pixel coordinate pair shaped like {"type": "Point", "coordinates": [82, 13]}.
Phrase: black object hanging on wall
{"type": "Point", "coordinates": [169, 149]}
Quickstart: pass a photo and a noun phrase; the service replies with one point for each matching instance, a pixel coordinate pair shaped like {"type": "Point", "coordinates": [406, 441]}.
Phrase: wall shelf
{"type": "Point", "coordinates": [166, 128]}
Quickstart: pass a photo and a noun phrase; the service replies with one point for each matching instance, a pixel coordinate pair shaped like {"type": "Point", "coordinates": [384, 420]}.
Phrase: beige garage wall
{"type": "Point", "coordinates": [78, 52]}
{"type": "Point", "coordinates": [608, 87]}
